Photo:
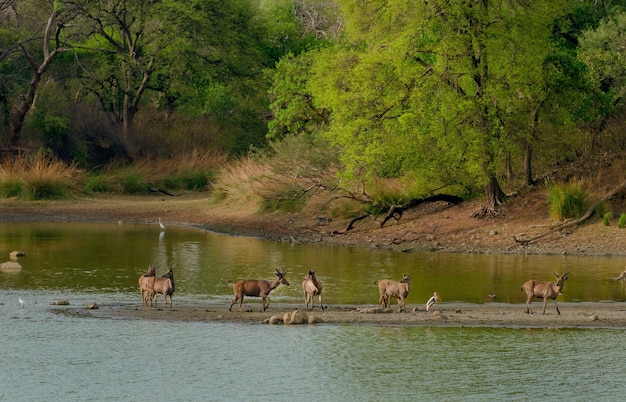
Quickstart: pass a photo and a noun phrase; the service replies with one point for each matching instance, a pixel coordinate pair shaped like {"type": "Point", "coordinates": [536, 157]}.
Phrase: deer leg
{"type": "Point", "coordinates": [545, 303]}
{"type": "Point", "coordinates": [231, 303]}
{"type": "Point", "coordinates": [557, 307]}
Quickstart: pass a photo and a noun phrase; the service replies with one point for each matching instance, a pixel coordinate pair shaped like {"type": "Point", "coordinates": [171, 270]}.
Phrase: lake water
{"type": "Point", "coordinates": [47, 355]}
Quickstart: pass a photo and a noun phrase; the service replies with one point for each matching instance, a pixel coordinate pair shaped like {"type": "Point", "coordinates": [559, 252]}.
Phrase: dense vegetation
{"type": "Point", "coordinates": [314, 101]}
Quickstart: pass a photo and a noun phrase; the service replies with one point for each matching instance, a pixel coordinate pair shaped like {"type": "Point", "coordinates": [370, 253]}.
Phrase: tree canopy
{"type": "Point", "coordinates": [460, 94]}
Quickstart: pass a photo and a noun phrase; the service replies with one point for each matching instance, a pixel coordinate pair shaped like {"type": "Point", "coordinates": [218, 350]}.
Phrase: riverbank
{"type": "Point", "coordinates": [430, 227]}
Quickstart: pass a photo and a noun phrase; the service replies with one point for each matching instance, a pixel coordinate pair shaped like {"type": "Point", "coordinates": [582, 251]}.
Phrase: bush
{"type": "Point", "coordinates": [134, 182]}
{"type": "Point", "coordinates": [621, 222]}
{"type": "Point", "coordinates": [606, 218]}
{"type": "Point", "coordinates": [11, 187]}
{"type": "Point", "coordinates": [189, 179]}
{"type": "Point", "coordinates": [567, 201]}
{"type": "Point", "coordinates": [99, 183]}
{"type": "Point", "coordinates": [38, 177]}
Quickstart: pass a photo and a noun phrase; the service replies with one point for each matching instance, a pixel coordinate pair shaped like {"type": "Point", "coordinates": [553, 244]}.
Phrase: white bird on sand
{"type": "Point", "coordinates": [22, 302]}
{"type": "Point", "coordinates": [161, 225]}
{"type": "Point", "coordinates": [431, 302]}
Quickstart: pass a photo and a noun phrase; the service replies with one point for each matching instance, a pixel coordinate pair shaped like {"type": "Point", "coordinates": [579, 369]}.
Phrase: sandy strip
{"type": "Point", "coordinates": [495, 315]}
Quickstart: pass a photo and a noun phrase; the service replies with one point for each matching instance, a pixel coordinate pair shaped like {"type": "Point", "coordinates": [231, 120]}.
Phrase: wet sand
{"type": "Point", "coordinates": [496, 315]}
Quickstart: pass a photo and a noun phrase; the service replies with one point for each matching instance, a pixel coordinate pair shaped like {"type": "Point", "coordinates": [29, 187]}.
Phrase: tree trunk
{"type": "Point", "coordinates": [494, 196]}
{"type": "Point", "coordinates": [26, 101]}
{"type": "Point", "coordinates": [528, 165]}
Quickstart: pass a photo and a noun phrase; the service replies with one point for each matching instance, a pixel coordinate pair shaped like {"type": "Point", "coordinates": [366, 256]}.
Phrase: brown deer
{"type": "Point", "coordinates": [388, 289]}
{"type": "Point", "coordinates": [257, 288]}
{"type": "Point", "coordinates": [544, 290]}
{"type": "Point", "coordinates": [146, 285]}
{"type": "Point", "coordinates": [164, 285]}
{"type": "Point", "coordinates": [311, 287]}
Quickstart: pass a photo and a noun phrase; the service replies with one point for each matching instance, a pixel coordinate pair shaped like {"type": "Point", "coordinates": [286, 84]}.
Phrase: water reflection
{"type": "Point", "coordinates": [110, 257]}
{"type": "Point", "coordinates": [48, 356]}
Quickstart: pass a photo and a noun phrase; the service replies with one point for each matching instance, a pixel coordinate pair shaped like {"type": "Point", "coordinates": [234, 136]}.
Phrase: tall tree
{"type": "Point", "coordinates": [39, 43]}
{"type": "Point", "coordinates": [129, 31]}
{"type": "Point", "coordinates": [430, 87]}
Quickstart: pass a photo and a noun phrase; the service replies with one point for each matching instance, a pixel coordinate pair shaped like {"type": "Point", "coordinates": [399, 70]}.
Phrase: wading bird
{"type": "Point", "coordinates": [22, 302]}
{"type": "Point", "coordinates": [161, 225]}
{"type": "Point", "coordinates": [431, 302]}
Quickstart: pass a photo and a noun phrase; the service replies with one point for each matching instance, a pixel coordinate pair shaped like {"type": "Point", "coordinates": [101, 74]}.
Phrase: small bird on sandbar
{"type": "Point", "coordinates": [431, 302]}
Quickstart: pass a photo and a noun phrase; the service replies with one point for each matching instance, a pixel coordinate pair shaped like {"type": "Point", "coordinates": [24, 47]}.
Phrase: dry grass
{"type": "Point", "coordinates": [194, 160]}
{"type": "Point", "coordinates": [38, 176]}
{"type": "Point", "coordinates": [236, 180]}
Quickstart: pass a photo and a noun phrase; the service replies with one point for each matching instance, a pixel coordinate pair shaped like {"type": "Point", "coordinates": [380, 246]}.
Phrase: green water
{"type": "Point", "coordinates": [110, 258]}
{"type": "Point", "coordinates": [50, 356]}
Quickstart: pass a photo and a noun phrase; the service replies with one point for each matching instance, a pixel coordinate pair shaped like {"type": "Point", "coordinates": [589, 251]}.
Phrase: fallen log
{"type": "Point", "coordinates": [396, 211]}
{"type": "Point", "coordinates": [588, 214]}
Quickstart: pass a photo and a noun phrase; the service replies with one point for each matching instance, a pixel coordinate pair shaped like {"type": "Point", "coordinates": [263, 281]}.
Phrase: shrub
{"type": "Point", "coordinates": [567, 201]}
{"type": "Point", "coordinates": [134, 182]}
{"type": "Point", "coordinates": [37, 177]}
{"type": "Point", "coordinates": [99, 183]}
{"type": "Point", "coordinates": [606, 218]}
{"type": "Point", "coordinates": [621, 222]}
{"type": "Point", "coordinates": [11, 187]}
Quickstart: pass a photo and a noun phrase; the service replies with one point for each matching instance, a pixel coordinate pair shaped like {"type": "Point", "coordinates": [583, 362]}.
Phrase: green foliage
{"type": "Point", "coordinates": [606, 218]}
{"type": "Point", "coordinates": [99, 183]}
{"type": "Point", "coordinates": [11, 187]}
{"type": "Point", "coordinates": [567, 201]}
{"type": "Point", "coordinates": [603, 210]}
{"type": "Point", "coordinates": [621, 222]}
{"type": "Point", "coordinates": [42, 189]}
{"type": "Point", "coordinates": [134, 182]}
{"type": "Point", "coordinates": [54, 128]}
{"type": "Point", "coordinates": [189, 179]}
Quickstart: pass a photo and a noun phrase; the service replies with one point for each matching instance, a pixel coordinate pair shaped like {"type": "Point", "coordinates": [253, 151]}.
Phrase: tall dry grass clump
{"type": "Point", "coordinates": [236, 182]}
{"type": "Point", "coordinates": [38, 176]}
{"type": "Point", "coordinates": [193, 171]}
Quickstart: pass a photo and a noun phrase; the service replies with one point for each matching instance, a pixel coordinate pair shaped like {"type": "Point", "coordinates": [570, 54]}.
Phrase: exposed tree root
{"type": "Point", "coordinates": [575, 222]}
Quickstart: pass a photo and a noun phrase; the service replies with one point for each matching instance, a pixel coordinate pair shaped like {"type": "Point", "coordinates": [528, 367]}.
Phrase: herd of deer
{"type": "Point", "coordinates": [150, 286]}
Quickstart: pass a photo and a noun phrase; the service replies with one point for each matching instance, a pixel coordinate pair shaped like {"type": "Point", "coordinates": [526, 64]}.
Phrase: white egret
{"type": "Point", "coordinates": [22, 302]}
{"type": "Point", "coordinates": [431, 302]}
{"type": "Point", "coordinates": [161, 225]}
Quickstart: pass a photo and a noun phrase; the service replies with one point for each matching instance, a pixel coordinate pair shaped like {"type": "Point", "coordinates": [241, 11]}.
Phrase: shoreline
{"type": "Point", "coordinates": [433, 228]}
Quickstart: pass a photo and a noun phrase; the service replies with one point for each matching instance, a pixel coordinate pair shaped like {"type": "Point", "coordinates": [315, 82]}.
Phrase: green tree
{"type": "Point", "coordinates": [435, 89]}
{"type": "Point", "coordinates": [31, 42]}
{"type": "Point", "coordinates": [603, 51]}
{"type": "Point", "coordinates": [130, 37]}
